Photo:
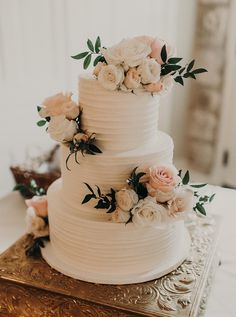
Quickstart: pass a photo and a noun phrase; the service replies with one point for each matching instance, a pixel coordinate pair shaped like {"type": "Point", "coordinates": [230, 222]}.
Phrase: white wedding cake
{"type": "Point", "coordinates": [117, 213]}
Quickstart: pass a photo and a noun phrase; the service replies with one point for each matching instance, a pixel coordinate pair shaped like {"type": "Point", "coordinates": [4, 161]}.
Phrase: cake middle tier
{"type": "Point", "coordinates": [122, 121]}
{"type": "Point", "coordinates": [109, 170]}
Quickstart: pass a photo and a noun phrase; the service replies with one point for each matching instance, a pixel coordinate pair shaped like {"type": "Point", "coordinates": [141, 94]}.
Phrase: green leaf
{"type": "Point", "coordinates": [80, 55]}
{"type": "Point", "coordinates": [87, 61]}
{"type": "Point", "coordinates": [94, 148]}
{"type": "Point", "coordinates": [169, 68]}
{"type": "Point", "coordinates": [186, 178]}
{"type": "Point", "coordinates": [181, 70]}
{"type": "Point", "coordinates": [39, 108]}
{"type": "Point", "coordinates": [90, 188]}
{"type": "Point", "coordinates": [174, 60]}
{"type": "Point", "coordinates": [87, 198]}
{"type": "Point", "coordinates": [201, 209]}
{"type": "Point", "coordinates": [199, 71]}
{"type": "Point", "coordinates": [198, 185]}
{"type": "Point", "coordinates": [180, 172]}
{"type": "Point", "coordinates": [139, 175]}
{"type": "Point", "coordinates": [99, 191]}
{"type": "Point", "coordinates": [179, 80]}
{"type": "Point", "coordinates": [190, 65]}
{"type": "Point", "coordinates": [90, 45]}
{"type": "Point", "coordinates": [41, 123]}
{"type": "Point", "coordinates": [163, 53]}
{"type": "Point", "coordinates": [97, 44]}
{"type": "Point", "coordinates": [212, 197]}
{"type": "Point", "coordinates": [97, 59]}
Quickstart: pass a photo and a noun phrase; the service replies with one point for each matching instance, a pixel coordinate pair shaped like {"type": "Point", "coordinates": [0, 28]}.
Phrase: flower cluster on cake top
{"type": "Point", "coordinates": [140, 62]}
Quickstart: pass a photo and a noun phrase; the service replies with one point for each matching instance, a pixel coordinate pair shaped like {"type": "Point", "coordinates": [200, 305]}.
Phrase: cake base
{"type": "Point", "coordinates": [163, 267]}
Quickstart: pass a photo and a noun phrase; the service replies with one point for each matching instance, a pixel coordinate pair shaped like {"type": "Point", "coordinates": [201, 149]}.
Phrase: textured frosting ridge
{"type": "Point", "coordinates": [122, 121]}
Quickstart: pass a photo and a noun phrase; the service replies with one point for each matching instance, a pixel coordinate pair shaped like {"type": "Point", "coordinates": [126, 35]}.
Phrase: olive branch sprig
{"type": "Point", "coordinates": [93, 49]}
{"type": "Point", "coordinates": [171, 67]}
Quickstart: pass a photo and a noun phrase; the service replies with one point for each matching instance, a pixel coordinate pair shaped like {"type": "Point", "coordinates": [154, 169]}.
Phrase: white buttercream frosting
{"type": "Point", "coordinates": [107, 252]}
{"type": "Point", "coordinates": [122, 121]}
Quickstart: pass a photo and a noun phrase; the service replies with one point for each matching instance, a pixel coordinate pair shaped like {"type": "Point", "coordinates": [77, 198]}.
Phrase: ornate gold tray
{"type": "Point", "coordinates": [30, 288]}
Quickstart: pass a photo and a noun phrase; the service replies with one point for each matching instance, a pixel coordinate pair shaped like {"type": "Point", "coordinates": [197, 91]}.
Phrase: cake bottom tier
{"type": "Point", "coordinates": [110, 253]}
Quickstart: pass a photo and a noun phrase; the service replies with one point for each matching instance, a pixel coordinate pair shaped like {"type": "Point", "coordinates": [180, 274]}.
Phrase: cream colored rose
{"type": "Point", "coordinates": [110, 76]}
{"type": "Point", "coordinates": [182, 202]}
{"type": "Point", "coordinates": [120, 215]}
{"type": "Point", "coordinates": [160, 196]}
{"type": "Point", "coordinates": [61, 129]}
{"type": "Point", "coordinates": [129, 52]}
{"type": "Point", "coordinates": [150, 71]}
{"type": "Point", "coordinates": [132, 79]}
{"type": "Point", "coordinates": [35, 225]}
{"type": "Point", "coordinates": [40, 205]}
{"type": "Point", "coordinates": [59, 104]}
{"type": "Point", "coordinates": [154, 87]}
{"type": "Point", "coordinates": [164, 178]}
{"type": "Point", "coordinates": [147, 212]}
{"type": "Point", "coordinates": [97, 68]}
{"type": "Point", "coordinates": [80, 137]}
{"type": "Point", "coordinates": [126, 199]}
{"type": "Point", "coordinates": [145, 39]}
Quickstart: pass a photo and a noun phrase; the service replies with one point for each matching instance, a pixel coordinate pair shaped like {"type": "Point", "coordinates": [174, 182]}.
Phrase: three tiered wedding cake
{"type": "Point", "coordinates": [117, 213]}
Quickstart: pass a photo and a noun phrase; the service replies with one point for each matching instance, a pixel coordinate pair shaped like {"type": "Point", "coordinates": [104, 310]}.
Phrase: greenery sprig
{"type": "Point", "coordinates": [93, 49]}
{"type": "Point", "coordinates": [34, 248]}
{"type": "Point", "coordinates": [42, 122]}
{"type": "Point", "coordinates": [32, 189]}
{"type": "Point", "coordinates": [171, 67]}
{"type": "Point", "coordinates": [202, 200]}
{"type": "Point", "coordinates": [104, 201]}
{"type": "Point", "coordinates": [134, 182]}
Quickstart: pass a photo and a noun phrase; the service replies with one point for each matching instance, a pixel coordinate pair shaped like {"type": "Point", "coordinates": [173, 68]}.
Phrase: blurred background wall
{"type": "Point", "coordinates": [37, 39]}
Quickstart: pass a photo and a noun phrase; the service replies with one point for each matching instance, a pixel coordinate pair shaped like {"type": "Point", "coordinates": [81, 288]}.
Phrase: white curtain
{"type": "Point", "coordinates": [36, 41]}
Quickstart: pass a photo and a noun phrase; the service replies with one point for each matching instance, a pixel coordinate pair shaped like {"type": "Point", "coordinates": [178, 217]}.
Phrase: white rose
{"type": "Point", "coordinates": [97, 68]}
{"type": "Point", "coordinates": [132, 79]}
{"type": "Point", "coordinates": [129, 52]}
{"type": "Point", "coordinates": [167, 84]}
{"type": "Point", "coordinates": [150, 71]}
{"type": "Point", "coordinates": [182, 202]}
{"type": "Point", "coordinates": [120, 215]}
{"type": "Point", "coordinates": [35, 225]}
{"type": "Point", "coordinates": [126, 199]}
{"type": "Point", "coordinates": [160, 196]}
{"type": "Point", "coordinates": [62, 129]}
{"type": "Point", "coordinates": [110, 76]}
{"type": "Point", "coordinates": [147, 212]}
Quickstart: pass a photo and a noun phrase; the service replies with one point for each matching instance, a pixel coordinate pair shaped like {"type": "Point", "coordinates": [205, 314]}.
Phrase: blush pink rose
{"type": "Point", "coordinates": [40, 205]}
{"type": "Point", "coordinates": [156, 47]}
{"type": "Point", "coordinates": [154, 87]}
{"type": "Point", "coordinates": [182, 202]}
{"type": "Point", "coordinates": [163, 178]}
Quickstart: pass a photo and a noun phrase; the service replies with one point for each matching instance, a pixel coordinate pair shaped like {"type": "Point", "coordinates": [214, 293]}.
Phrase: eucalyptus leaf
{"type": "Point", "coordinates": [89, 187]}
{"type": "Point", "coordinates": [201, 209]}
{"type": "Point", "coordinates": [179, 80]}
{"type": "Point", "coordinates": [87, 61]}
{"type": "Point", "coordinates": [212, 197]}
{"type": "Point", "coordinates": [41, 123]}
{"type": "Point", "coordinates": [80, 55]}
{"type": "Point", "coordinates": [199, 71]}
{"type": "Point", "coordinates": [90, 45]}
{"type": "Point", "coordinates": [198, 185]}
{"type": "Point", "coordinates": [99, 58]}
{"type": "Point", "coordinates": [190, 65]}
{"type": "Point", "coordinates": [97, 44]}
{"type": "Point", "coordinates": [186, 178]}
{"type": "Point", "coordinates": [87, 198]}
{"type": "Point", "coordinates": [164, 53]}
{"type": "Point", "coordinates": [174, 60]}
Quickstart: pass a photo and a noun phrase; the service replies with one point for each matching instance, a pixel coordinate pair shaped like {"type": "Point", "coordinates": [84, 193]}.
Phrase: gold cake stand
{"type": "Point", "coordinates": [30, 288]}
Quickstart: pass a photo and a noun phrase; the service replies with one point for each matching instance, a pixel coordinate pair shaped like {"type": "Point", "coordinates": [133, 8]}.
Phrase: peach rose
{"type": "Point", "coordinates": [59, 104]}
{"type": "Point", "coordinates": [132, 79]}
{"type": "Point", "coordinates": [156, 47]}
{"type": "Point", "coordinates": [40, 204]}
{"type": "Point", "coordinates": [163, 178]}
{"type": "Point", "coordinates": [154, 87]}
